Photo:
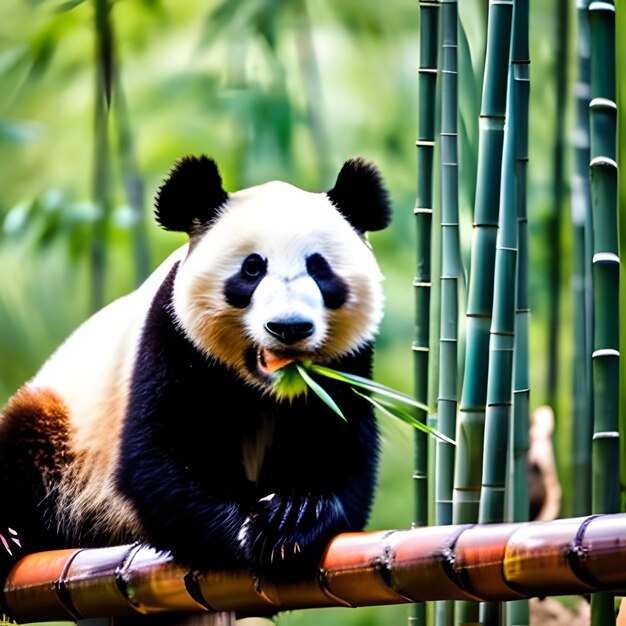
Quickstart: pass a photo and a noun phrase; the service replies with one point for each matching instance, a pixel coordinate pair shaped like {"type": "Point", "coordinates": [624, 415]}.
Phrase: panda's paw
{"type": "Point", "coordinates": [287, 534]}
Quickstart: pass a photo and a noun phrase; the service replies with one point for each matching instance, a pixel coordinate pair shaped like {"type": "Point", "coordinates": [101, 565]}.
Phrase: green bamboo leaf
{"type": "Point", "coordinates": [394, 411]}
{"type": "Point", "coordinates": [68, 5]}
{"type": "Point", "coordinates": [368, 384]}
{"type": "Point", "coordinates": [321, 392]}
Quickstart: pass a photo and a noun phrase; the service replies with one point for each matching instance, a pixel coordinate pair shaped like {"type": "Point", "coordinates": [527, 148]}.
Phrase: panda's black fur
{"type": "Point", "coordinates": [157, 420]}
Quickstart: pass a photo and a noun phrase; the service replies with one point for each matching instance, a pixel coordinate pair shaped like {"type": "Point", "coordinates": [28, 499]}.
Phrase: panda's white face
{"type": "Point", "coordinates": [280, 274]}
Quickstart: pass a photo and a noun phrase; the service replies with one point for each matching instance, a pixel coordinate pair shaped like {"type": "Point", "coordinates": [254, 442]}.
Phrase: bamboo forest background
{"type": "Point", "coordinates": [99, 98]}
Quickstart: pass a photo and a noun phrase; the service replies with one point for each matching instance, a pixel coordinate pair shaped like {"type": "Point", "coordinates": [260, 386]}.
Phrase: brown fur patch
{"type": "Point", "coordinates": [38, 421]}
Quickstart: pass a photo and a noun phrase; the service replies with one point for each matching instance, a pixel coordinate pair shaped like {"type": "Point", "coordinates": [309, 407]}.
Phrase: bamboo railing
{"type": "Point", "coordinates": [487, 562]}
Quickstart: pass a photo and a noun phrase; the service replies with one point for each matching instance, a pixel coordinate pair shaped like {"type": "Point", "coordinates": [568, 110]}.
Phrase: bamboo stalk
{"type": "Point", "coordinates": [502, 333]}
{"type": "Point", "coordinates": [101, 167]}
{"type": "Point", "coordinates": [581, 281]}
{"type": "Point", "coordinates": [554, 225]}
{"type": "Point", "coordinates": [427, 83]}
{"type": "Point", "coordinates": [312, 84]}
{"type": "Point", "coordinates": [494, 562]}
{"type": "Point", "coordinates": [450, 264]}
{"type": "Point", "coordinates": [470, 426]}
{"type": "Point", "coordinates": [501, 341]}
{"type": "Point", "coordinates": [620, 27]}
{"type": "Point", "coordinates": [517, 612]}
{"type": "Point", "coordinates": [133, 184]}
{"type": "Point", "coordinates": [606, 262]}
{"type": "Point", "coordinates": [451, 270]}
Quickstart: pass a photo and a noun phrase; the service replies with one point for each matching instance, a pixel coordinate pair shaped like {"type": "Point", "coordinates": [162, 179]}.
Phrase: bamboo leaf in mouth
{"type": "Point", "coordinates": [295, 378]}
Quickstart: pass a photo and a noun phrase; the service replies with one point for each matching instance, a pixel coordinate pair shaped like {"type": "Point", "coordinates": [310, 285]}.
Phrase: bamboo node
{"type": "Point", "coordinates": [602, 6]}
{"type": "Point", "coordinates": [605, 257]}
{"type": "Point", "coordinates": [604, 352]}
{"type": "Point", "coordinates": [600, 103]}
{"type": "Point", "coordinates": [606, 434]}
{"type": "Point", "coordinates": [602, 160]}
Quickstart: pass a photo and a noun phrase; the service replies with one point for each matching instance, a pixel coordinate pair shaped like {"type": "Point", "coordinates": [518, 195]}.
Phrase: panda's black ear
{"type": "Point", "coordinates": [360, 195]}
{"type": "Point", "coordinates": [190, 196]}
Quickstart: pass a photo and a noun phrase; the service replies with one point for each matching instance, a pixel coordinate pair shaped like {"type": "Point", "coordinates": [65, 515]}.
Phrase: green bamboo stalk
{"type": "Point", "coordinates": [620, 27]}
{"type": "Point", "coordinates": [427, 90]}
{"type": "Point", "coordinates": [133, 183]}
{"type": "Point", "coordinates": [450, 264]}
{"type": "Point", "coordinates": [606, 356]}
{"type": "Point", "coordinates": [554, 225]}
{"type": "Point", "coordinates": [312, 84]}
{"type": "Point", "coordinates": [470, 426]}
{"type": "Point", "coordinates": [517, 612]}
{"type": "Point", "coordinates": [502, 333]}
{"type": "Point", "coordinates": [581, 283]}
{"type": "Point", "coordinates": [501, 343]}
{"type": "Point", "coordinates": [451, 270]}
{"type": "Point", "coordinates": [101, 168]}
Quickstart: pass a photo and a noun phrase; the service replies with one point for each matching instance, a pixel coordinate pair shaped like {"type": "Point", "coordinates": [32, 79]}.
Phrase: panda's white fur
{"type": "Point", "coordinates": [87, 403]}
{"type": "Point", "coordinates": [283, 224]}
{"type": "Point", "coordinates": [90, 372]}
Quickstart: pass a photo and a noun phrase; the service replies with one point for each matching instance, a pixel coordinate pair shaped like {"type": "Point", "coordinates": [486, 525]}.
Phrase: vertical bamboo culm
{"type": "Point", "coordinates": [582, 408]}
{"type": "Point", "coordinates": [427, 89]}
{"type": "Point", "coordinates": [561, 37]}
{"type": "Point", "coordinates": [470, 426]}
{"type": "Point", "coordinates": [517, 612]}
{"type": "Point", "coordinates": [606, 262]}
{"type": "Point", "coordinates": [451, 270]}
{"type": "Point", "coordinates": [101, 150]}
{"type": "Point", "coordinates": [502, 331]}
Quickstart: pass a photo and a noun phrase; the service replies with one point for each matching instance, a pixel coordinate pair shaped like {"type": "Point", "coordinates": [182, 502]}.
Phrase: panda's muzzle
{"type": "Point", "coordinates": [290, 332]}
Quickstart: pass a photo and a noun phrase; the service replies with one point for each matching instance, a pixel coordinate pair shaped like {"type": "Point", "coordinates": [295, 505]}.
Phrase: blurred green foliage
{"type": "Point", "coordinates": [270, 89]}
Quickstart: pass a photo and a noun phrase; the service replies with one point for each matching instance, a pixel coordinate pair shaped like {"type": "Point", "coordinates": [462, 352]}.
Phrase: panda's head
{"type": "Point", "coordinates": [275, 273]}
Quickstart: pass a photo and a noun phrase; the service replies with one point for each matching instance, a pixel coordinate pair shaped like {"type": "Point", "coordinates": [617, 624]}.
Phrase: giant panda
{"type": "Point", "coordinates": [158, 420]}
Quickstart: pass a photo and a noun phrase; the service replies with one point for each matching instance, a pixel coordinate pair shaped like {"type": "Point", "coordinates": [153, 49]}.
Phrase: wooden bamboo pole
{"type": "Point", "coordinates": [491, 562]}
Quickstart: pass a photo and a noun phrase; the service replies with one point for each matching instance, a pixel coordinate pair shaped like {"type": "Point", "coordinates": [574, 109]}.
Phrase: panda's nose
{"type": "Point", "coordinates": [291, 331]}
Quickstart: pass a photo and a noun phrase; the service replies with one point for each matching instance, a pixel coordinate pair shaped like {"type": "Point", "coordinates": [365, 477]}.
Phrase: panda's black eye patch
{"type": "Point", "coordinates": [239, 288]}
{"type": "Point", "coordinates": [334, 290]}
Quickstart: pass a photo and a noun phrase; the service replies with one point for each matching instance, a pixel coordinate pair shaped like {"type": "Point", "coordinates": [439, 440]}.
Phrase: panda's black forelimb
{"type": "Point", "coordinates": [181, 460]}
{"type": "Point", "coordinates": [289, 532]}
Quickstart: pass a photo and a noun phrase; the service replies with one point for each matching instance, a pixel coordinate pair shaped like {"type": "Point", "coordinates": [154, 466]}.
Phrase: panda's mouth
{"type": "Point", "coordinates": [269, 362]}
